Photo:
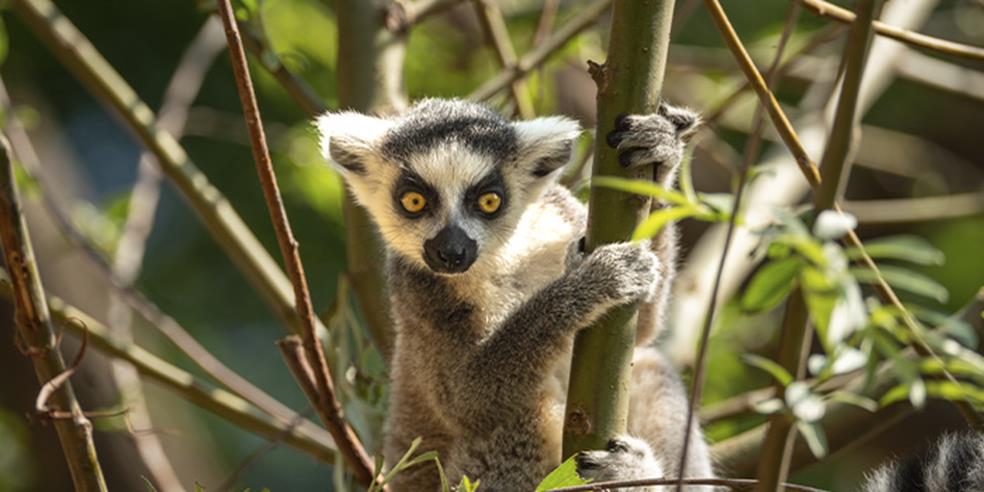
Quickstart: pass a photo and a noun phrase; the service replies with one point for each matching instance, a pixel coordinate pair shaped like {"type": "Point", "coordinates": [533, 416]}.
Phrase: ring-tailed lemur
{"type": "Point", "coordinates": [954, 464]}
{"type": "Point", "coordinates": [488, 287]}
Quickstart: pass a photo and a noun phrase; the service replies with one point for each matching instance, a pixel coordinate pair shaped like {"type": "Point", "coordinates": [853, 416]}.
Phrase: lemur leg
{"type": "Point", "coordinates": [658, 140]}
{"type": "Point", "coordinates": [658, 413]}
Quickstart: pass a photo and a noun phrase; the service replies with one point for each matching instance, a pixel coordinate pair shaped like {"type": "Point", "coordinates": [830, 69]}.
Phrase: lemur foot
{"type": "Point", "coordinates": [652, 138]}
{"type": "Point", "coordinates": [625, 272]}
{"type": "Point", "coordinates": [625, 458]}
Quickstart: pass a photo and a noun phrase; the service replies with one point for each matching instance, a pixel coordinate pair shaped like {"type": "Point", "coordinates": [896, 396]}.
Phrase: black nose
{"type": "Point", "coordinates": [450, 251]}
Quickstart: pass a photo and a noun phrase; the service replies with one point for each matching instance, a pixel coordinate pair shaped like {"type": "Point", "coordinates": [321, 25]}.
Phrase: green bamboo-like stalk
{"type": "Point", "coordinates": [37, 333]}
{"type": "Point", "coordinates": [306, 436]}
{"type": "Point", "coordinates": [370, 79]}
{"type": "Point", "coordinates": [629, 82]}
{"type": "Point", "coordinates": [794, 344]}
{"type": "Point", "coordinates": [220, 218]}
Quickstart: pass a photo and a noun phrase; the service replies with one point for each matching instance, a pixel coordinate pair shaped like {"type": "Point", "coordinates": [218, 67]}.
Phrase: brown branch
{"type": "Point", "coordinates": [326, 402]}
{"type": "Point", "coordinates": [298, 90]}
{"type": "Point", "coordinates": [546, 21]}
{"type": "Point", "coordinates": [921, 209]}
{"type": "Point", "coordinates": [732, 483]}
{"type": "Point", "coordinates": [751, 153]}
{"type": "Point", "coordinates": [35, 329]}
{"type": "Point", "coordinates": [779, 119]}
{"type": "Point", "coordinates": [538, 56]}
{"type": "Point", "coordinates": [826, 9]}
{"type": "Point", "coordinates": [498, 35]}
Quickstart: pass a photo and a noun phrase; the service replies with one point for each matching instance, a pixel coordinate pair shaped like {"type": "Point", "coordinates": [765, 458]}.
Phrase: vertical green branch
{"type": "Point", "coordinates": [794, 344]}
{"type": "Point", "coordinates": [629, 82]}
{"type": "Point", "coordinates": [36, 331]}
{"type": "Point", "coordinates": [370, 79]}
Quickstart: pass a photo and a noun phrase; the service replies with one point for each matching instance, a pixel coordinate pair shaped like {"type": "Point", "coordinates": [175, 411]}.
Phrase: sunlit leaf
{"type": "Point", "coordinates": [564, 475]}
{"type": "Point", "coordinates": [641, 187]}
{"type": "Point", "coordinates": [913, 249]}
{"type": "Point", "coordinates": [771, 285]}
{"type": "Point", "coordinates": [658, 219]}
{"type": "Point", "coordinates": [778, 372]}
{"type": "Point", "coordinates": [854, 399]}
{"type": "Point", "coordinates": [903, 279]}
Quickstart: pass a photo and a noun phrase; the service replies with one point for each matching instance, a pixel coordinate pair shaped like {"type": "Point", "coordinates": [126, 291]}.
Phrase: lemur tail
{"type": "Point", "coordinates": [955, 463]}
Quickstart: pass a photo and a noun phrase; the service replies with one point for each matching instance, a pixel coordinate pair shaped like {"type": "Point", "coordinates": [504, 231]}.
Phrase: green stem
{"type": "Point", "coordinates": [629, 82]}
{"type": "Point", "coordinates": [36, 332]}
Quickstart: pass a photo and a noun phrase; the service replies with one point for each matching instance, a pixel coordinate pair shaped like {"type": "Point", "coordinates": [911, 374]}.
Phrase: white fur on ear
{"type": "Point", "coordinates": [349, 139]}
{"type": "Point", "coordinates": [546, 144]}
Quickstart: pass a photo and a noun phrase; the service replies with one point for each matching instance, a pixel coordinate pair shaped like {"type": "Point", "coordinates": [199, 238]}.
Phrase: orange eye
{"type": "Point", "coordinates": [489, 202]}
{"type": "Point", "coordinates": [413, 202]}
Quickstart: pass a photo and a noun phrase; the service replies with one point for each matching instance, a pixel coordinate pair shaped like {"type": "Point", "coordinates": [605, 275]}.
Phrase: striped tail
{"type": "Point", "coordinates": [954, 464]}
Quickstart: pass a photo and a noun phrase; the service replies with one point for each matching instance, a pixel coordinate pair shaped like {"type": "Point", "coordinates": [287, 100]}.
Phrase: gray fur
{"type": "Point", "coordinates": [480, 360]}
{"type": "Point", "coordinates": [954, 464]}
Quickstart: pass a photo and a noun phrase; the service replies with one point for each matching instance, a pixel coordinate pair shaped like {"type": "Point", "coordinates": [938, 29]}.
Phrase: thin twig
{"type": "Point", "coordinates": [199, 392]}
{"type": "Point", "coordinates": [220, 218]}
{"type": "Point", "coordinates": [33, 320]}
{"type": "Point", "coordinates": [546, 21]}
{"type": "Point", "coordinates": [732, 483]}
{"type": "Point", "coordinates": [149, 311]}
{"type": "Point", "coordinates": [538, 56]}
{"type": "Point", "coordinates": [498, 35]}
{"type": "Point", "coordinates": [329, 409]}
{"type": "Point", "coordinates": [779, 119]}
{"type": "Point", "coordinates": [921, 209]}
{"type": "Point", "coordinates": [827, 9]}
{"type": "Point", "coordinates": [751, 153]}
{"type": "Point", "coordinates": [298, 90]}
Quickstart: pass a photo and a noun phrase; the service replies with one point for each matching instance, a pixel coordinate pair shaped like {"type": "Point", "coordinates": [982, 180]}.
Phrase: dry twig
{"type": "Point", "coordinates": [326, 403]}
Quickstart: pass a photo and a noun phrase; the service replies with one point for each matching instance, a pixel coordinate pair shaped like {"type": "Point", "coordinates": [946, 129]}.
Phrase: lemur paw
{"type": "Point", "coordinates": [625, 272]}
{"type": "Point", "coordinates": [625, 458]}
{"type": "Point", "coordinates": [652, 138]}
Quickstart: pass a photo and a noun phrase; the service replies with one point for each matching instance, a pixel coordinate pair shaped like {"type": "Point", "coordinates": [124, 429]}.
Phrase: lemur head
{"type": "Point", "coordinates": [447, 182]}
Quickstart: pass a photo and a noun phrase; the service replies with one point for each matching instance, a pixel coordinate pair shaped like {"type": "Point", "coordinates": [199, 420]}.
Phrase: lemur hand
{"type": "Point", "coordinates": [652, 138]}
{"type": "Point", "coordinates": [621, 272]}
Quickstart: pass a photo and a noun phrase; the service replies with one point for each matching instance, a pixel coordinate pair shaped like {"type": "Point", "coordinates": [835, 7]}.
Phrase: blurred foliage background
{"type": "Point", "coordinates": [922, 138]}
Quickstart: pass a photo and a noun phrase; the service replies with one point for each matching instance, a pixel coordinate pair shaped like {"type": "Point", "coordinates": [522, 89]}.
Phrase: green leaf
{"type": "Point", "coordinates": [641, 187]}
{"type": "Point", "coordinates": [199, 487]}
{"type": "Point", "coordinates": [903, 279]}
{"type": "Point", "coordinates": [913, 249]}
{"type": "Point", "coordinates": [771, 285]}
{"type": "Point", "coordinates": [854, 399]}
{"type": "Point", "coordinates": [778, 372]}
{"type": "Point", "coordinates": [944, 390]}
{"type": "Point", "coordinates": [467, 485]}
{"type": "Point", "coordinates": [148, 484]}
{"type": "Point", "coordinates": [564, 475]}
{"type": "Point", "coordinates": [814, 436]}
{"type": "Point", "coordinates": [821, 298]}
{"type": "Point", "coordinates": [658, 219]}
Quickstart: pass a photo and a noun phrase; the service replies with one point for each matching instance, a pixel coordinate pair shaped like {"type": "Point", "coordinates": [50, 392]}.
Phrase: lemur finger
{"type": "Point", "coordinates": [684, 120]}
{"type": "Point", "coordinates": [658, 154]}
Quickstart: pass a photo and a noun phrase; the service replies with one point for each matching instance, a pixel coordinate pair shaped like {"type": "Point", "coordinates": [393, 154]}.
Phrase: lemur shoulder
{"type": "Point", "coordinates": [489, 285]}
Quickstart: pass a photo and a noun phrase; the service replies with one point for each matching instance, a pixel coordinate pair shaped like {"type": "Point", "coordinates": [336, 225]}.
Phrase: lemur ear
{"type": "Point", "coordinates": [546, 144]}
{"type": "Point", "coordinates": [349, 140]}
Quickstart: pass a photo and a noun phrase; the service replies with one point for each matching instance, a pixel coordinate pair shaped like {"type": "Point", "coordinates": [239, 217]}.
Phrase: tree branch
{"type": "Point", "coordinates": [630, 81]}
{"type": "Point", "coordinates": [498, 35]}
{"type": "Point", "coordinates": [308, 438]}
{"type": "Point", "coordinates": [538, 56]}
{"type": "Point", "coordinates": [34, 327]}
{"type": "Point", "coordinates": [326, 401]}
{"type": "Point", "coordinates": [827, 9]}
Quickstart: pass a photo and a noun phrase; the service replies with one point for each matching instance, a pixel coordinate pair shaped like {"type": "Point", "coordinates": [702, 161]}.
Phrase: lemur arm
{"type": "Point", "coordinates": [506, 370]}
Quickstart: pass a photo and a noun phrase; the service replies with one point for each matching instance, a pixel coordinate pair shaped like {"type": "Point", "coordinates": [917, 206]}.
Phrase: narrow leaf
{"type": "Point", "coordinates": [771, 285]}
{"type": "Point", "coordinates": [778, 372]}
{"type": "Point", "coordinates": [814, 436]}
{"type": "Point", "coordinates": [641, 187]}
{"type": "Point", "coordinates": [913, 249]}
{"type": "Point", "coordinates": [903, 279]}
{"type": "Point", "coordinates": [658, 219]}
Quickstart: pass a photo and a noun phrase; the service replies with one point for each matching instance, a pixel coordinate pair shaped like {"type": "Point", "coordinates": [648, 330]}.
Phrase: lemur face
{"type": "Point", "coordinates": [447, 182]}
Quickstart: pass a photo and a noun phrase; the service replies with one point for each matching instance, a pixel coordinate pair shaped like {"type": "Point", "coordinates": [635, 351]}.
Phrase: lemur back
{"type": "Point", "coordinates": [488, 287]}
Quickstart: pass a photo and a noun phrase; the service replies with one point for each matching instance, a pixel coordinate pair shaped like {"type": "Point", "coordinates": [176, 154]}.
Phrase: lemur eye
{"type": "Point", "coordinates": [489, 202]}
{"type": "Point", "coordinates": [413, 202]}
